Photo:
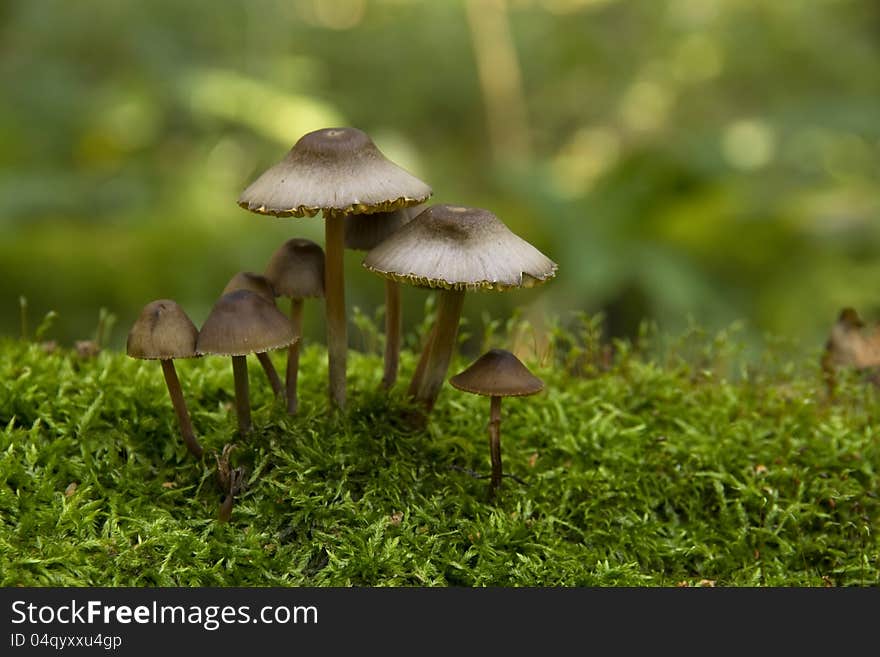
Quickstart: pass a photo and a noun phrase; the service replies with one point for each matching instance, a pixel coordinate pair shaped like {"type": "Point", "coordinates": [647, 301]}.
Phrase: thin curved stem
{"type": "Point", "coordinates": [449, 305]}
{"type": "Point", "coordinates": [296, 306]}
{"type": "Point", "coordinates": [271, 373]}
{"type": "Point", "coordinates": [334, 290]}
{"type": "Point", "coordinates": [176, 394]}
{"type": "Point", "coordinates": [393, 322]}
{"type": "Point", "coordinates": [242, 394]}
{"type": "Point", "coordinates": [419, 372]}
{"type": "Point", "coordinates": [495, 445]}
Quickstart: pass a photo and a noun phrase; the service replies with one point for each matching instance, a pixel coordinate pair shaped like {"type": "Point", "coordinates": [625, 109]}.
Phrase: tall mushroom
{"type": "Point", "coordinates": [454, 249]}
{"type": "Point", "coordinates": [496, 374]}
{"type": "Point", "coordinates": [365, 233]}
{"type": "Point", "coordinates": [163, 332]}
{"type": "Point", "coordinates": [296, 271]}
{"type": "Point", "coordinates": [245, 280]}
{"type": "Point", "coordinates": [337, 171]}
{"type": "Point", "coordinates": [242, 323]}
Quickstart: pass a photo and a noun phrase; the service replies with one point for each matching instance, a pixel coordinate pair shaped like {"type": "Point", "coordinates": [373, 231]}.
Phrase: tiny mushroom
{"type": "Point", "coordinates": [454, 249]}
{"type": "Point", "coordinates": [496, 374]}
{"type": "Point", "coordinates": [242, 323]}
{"type": "Point", "coordinates": [296, 271]}
{"type": "Point", "coordinates": [163, 332]}
{"type": "Point", "coordinates": [363, 233]}
{"type": "Point", "coordinates": [245, 280]}
{"type": "Point", "coordinates": [336, 171]}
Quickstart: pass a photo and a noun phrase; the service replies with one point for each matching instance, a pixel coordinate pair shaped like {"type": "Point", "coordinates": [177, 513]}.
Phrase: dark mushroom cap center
{"type": "Point", "coordinates": [334, 142]}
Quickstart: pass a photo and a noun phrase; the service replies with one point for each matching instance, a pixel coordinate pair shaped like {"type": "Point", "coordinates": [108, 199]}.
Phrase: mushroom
{"type": "Point", "coordinates": [337, 171]}
{"type": "Point", "coordinates": [296, 271]}
{"type": "Point", "coordinates": [454, 249]}
{"type": "Point", "coordinates": [245, 280]}
{"type": "Point", "coordinates": [242, 323]}
{"type": "Point", "coordinates": [363, 233]}
{"type": "Point", "coordinates": [496, 374]}
{"type": "Point", "coordinates": [163, 332]}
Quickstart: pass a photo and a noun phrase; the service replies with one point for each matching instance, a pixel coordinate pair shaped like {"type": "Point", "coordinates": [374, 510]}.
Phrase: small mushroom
{"type": "Point", "coordinates": [296, 271]}
{"type": "Point", "coordinates": [851, 344]}
{"type": "Point", "coordinates": [242, 323]}
{"type": "Point", "coordinates": [454, 249]}
{"type": "Point", "coordinates": [336, 171]}
{"type": "Point", "coordinates": [496, 374]}
{"type": "Point", "coordinates": [363, 233]}
{"type": "Point", "coordinates": [163, 332]}
{"type": "Point", "coordinates": [245, 280]}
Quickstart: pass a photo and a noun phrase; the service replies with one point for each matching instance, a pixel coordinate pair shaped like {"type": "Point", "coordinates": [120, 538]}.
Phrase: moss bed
{"type": "Point", "coordinates": [632, 468]}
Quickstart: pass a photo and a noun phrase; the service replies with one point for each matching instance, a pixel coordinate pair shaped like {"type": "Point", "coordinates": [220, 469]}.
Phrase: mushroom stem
{"type": "Point", "coordinates": [271, 373]}
{"type": "Point", "coordinates": [419, 372]}
{"type": "Point", "coordinates": [334, 285]}
{"type": "Point", "coordinates": [176, 394]}
{"type": "Point", "coordinates": [242, 399]}
{"type": "Point", "coordinates": [392, 333]}
{"type": "Point", "coordinates": [296, 307]}
{"type": "Point", "coordinates": [449, 307]}
{"type": "Point", "coordinates": [495, 445]}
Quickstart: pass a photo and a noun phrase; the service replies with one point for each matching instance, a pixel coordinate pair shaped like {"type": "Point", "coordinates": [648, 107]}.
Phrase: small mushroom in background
{"type": "Point", "coordinates": [339, 172]}
{"type": "Point", "coordinates": [363, 233]}
{"type": "Point", "coordinates": [163, 332]}
{"type": "Point", "coordinates": [296, 271]}
{"type": "Point", "coordinates": [242, 323]}
{"type": "Point", "coordinates": [850, 346]}
{"type": "Point", "coordinates": [454, 249]}
{"type": "Point", "coordinates": [245, 280]}
{"type": "Point", "coordinates": [496, 374]}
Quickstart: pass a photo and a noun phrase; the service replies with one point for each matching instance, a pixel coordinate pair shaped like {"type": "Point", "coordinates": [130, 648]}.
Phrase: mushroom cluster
{"type": "Point", "coordinates": [369, 204]}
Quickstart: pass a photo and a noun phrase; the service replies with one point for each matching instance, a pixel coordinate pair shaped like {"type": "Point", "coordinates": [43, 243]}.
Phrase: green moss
{"type": "Point", "coordinates": [636, 470]}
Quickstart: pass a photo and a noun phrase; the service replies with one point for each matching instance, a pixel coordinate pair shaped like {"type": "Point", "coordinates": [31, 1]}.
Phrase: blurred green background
{"type": "Point", "coordinates": [708, 159]}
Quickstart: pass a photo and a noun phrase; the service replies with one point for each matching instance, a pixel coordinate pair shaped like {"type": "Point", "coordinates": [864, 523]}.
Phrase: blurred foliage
{"type": "Point", "coordinates": [708, 160]}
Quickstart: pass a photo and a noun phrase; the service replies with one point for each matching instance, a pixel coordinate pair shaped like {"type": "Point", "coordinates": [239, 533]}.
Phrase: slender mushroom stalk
{"type": "Point", "coordinates": [177, 400]}
{"type": "Point", "coordinates": [163, 332]}
{"type": "Point", "coordinates": [242, 394]}
{"type": "Point", "coordinates": [245, 280]}
{"type": "Point", "coordinates": [496, 374]}
{"type": "Point", "coordinates": [364, 232]}
{"type": "Point", "coordinates": [419, 372]}
{"type": "Point", "coordinates": [296, 271]}
{"type": "Point", "coordinates": [339, 172]}
{"type": "Point", "coordinates": [449, 307]}
{"type": "Point", "coordinates": [296, 308]}
{"type": "Point", "coordinates": [334, 290]}
{"type": "Point", "coordinates": [271, 373]}
{"type": "Point", "coordinates": [241, 323]}
{"type": "Point", "coordinates": [495, 444]}
{"type": "Point", "coordinates": [454, 249]}
{"type": "Point", "coordinates": [393, 328]}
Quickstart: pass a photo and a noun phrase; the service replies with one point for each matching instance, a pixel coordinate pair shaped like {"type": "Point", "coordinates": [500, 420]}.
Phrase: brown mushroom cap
{"type": "Point", "coordinates": [366, 231]}
{"type": "Point", "coordinates": [336, 169]}
{"type": "Point", "coordinates": [459, 248]}
{"type": "Point", "coordinates": [497, 373]}
{"type": "Point", "coordinates": [162, 331]}
{"type": "Point", "coordinates": [245, 280]}
{"type": "Point", "coordinates": [241, 323]}
{"type": "Point", "coordinates": [296, 269]}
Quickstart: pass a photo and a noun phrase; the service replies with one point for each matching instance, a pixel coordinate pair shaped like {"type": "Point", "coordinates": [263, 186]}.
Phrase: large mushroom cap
{"type": "Point", "coordinates": [162, 331]}
{"type": "Point", "coordinates": [498, 373]}
{"type": "Point", "coordinates": [296, 269]}
{"type": "Point", "coordinates": [460, 248]}
{"type": "Point", "coordinates": [337, 169]}
{"type": "Point", "coordinates": [241, 323]}
{"type": "Point", "coordinates": [245, 280]}
{"type": "Point", "coordinates": [366, 231]}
